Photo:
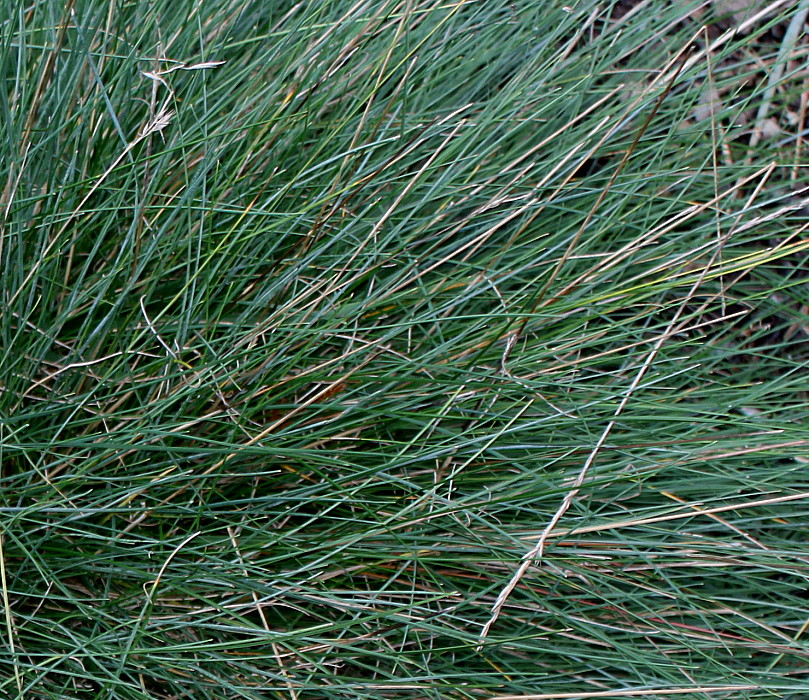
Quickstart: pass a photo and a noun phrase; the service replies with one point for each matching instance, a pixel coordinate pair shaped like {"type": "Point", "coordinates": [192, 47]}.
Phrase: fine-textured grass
{"type": "Point", "coordinates": [320, 319]}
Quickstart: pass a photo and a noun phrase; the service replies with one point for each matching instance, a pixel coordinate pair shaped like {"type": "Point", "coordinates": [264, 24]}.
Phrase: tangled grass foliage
{"type": "Point", "coordinates": [403, 349]}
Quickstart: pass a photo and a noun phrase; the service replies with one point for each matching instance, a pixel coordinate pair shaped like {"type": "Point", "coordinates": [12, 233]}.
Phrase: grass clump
{"type": "Point", "coordinates": [402, 349]}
